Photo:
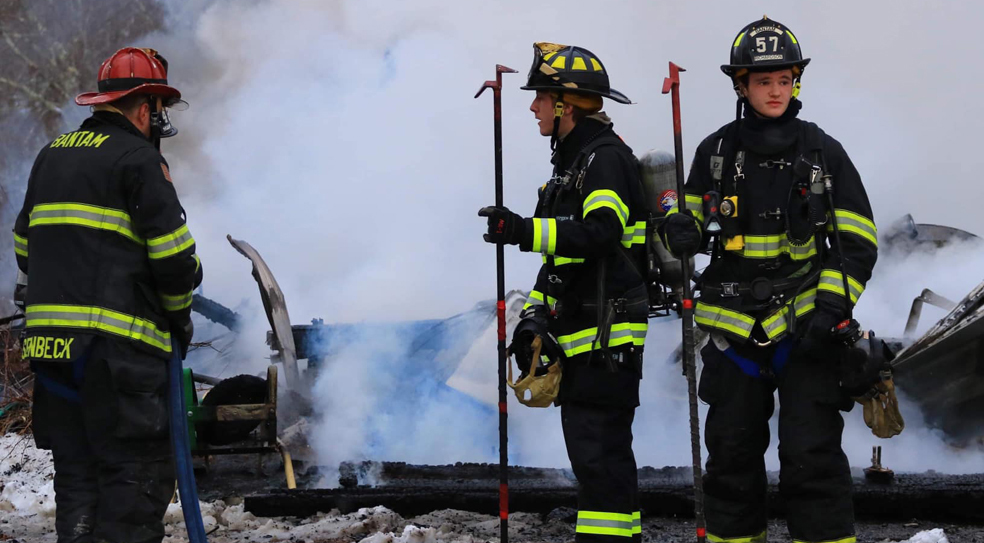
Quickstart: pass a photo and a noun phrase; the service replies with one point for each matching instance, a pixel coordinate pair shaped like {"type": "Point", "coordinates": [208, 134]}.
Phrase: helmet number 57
{"type": "Point", "coordinates": [760, 45]}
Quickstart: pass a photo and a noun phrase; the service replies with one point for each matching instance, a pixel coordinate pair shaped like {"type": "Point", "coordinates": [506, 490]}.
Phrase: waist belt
{"type": "Point", "coordinates": [760, 288]}
{"type": "Point", "coordinates": [750, 367]}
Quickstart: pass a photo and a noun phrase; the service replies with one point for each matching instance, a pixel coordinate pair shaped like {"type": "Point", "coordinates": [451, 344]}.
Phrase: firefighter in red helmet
{"type": "Point", "coordinates": [110, 266]}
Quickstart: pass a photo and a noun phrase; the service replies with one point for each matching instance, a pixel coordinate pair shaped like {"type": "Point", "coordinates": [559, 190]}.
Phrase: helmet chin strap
{"type": "Point", "coordinates": [558, 115]}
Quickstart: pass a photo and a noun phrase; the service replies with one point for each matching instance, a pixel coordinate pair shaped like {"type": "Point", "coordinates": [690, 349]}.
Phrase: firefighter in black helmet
{"type": "Point", "coordinates": [110, 266]}
{"type": "Point", "coordinates": [589, 226]}
{"type": "Point", "coordinates": [772, 295]}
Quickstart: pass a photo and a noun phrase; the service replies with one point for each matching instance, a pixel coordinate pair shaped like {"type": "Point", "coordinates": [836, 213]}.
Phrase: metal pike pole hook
{"type": "Point", "coordinates": [500, 305]}
{"type": "Point", "coordinates": [672, 85]}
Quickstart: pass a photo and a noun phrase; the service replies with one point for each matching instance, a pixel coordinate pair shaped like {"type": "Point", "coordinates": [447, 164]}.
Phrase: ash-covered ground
{"type": "Point", "coordinates": [27, 511]}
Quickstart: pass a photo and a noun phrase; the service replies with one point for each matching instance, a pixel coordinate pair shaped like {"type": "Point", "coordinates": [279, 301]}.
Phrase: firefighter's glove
{"type": "Point", "coordinates": [504, 225]}
{"type": "Point", "coordinates": [183, 330]}
{"type": "Point", "coordinates": [681, 234]}
{"type": "Point", "coordinates": [819, 333]}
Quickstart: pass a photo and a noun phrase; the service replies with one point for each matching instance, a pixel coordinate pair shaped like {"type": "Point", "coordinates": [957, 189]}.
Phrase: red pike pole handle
{"type": "Point", "coordinates": [671, 85]}
{"type": "Point", "coordinates": [500, 305]}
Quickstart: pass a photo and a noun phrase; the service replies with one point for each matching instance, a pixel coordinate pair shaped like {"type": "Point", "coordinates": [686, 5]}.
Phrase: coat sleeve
{"type": "Point", "coordinates": [538, 295]}
{"type": "Point", "coordinates": [160, 220]}
{"type": "Point", "coordinates": [23, 221]}
{"type": "Point", "coordinates": [604, 215]}
{"type": "Point", "coordinates": [857, 233]}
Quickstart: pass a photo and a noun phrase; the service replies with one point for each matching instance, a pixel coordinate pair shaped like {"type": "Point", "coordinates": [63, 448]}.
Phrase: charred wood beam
{"type": "Point", "coordinates": [215, 312]}
{"type": "Point", "coordinates": [928, 497]}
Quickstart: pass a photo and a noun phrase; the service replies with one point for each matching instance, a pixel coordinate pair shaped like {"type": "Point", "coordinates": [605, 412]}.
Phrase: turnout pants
{"type": "Point", "coordinates": [598, 435]}
{"type": "Point", "coordinates": [814, 476]}
{"type": "Point", "coordinates": [113, 464]}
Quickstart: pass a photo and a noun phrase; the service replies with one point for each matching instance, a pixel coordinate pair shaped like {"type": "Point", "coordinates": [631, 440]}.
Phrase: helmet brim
{"type": "Point", "coordinates": [166, 92]}
{"type": "Point", "coordinates": [612, 94]}
{"type": "Point", "coordinates": [730, 69]}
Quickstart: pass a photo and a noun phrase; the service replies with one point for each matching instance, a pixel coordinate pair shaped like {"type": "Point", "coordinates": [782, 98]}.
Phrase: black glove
{"type": "Point", "coordinates": [182, 331]}
{"type": "Point", "coordinates": [504, 225]}
{"type": "Point", "coordinates": [681, 234]}
{"type": "Point", "coordinates": [861, 365]}
{"type": "Point", "coordinates": [822, 325]}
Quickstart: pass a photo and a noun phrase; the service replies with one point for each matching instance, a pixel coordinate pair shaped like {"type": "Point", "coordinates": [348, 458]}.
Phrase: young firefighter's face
{"type": "Point", "coordinates": [543, 109]}
{"type": "Point", "coordinates": [769, 92]}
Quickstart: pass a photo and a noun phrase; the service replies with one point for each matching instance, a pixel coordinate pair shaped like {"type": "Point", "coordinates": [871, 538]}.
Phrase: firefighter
{"type": "Point", "coordinates": [589, 297]}
{"type": "Point", "coordinates": [110, 266]}
{"type": "Point", "coordinates": [772, 296]}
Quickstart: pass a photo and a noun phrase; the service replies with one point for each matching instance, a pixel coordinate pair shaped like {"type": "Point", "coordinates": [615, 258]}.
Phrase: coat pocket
{"type": "Point", "coordinates": [141, 398]}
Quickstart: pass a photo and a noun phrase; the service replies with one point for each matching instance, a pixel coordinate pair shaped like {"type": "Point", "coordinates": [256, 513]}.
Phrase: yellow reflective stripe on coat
{"type": "Point", "coordinates": [602, 523]}
{"type": "Point", "coordinates": [832, 281]}
{"type": "Point", "coordinates": [776, 245]}
{"type": "Point", "coordinates": [606, 198]}
{"type": "Point", "coordinates": [637, 522]}
{"type": "Point", "coordinates": [776, 324]}
{"type": "Point", "coordinates": [727, 320]}
{"type": "Point", "coordinates": [170, 244]}
{"type": "Point", "coordinates": [623, 333]}
{"type": "Point", "coordinates": [71, 214]}
{"type": "Point", "coordinates": [634, 234]}
{"type": "Point", "coordinates": [760, 538]}
{"type": "Point", "coordinates": [695, 204]}
{"type": "Point", "coordinates": [98, 318]}
{"type": "Point", "coordinates": [562, 260]}
{"type": "Point", "coordinates": [851, 539]}
{"type": "Point", "coordinates": [20, 245]}
{"type": "Point", "coordinates": [855, 223]}
{"type": "Point", "coordinates": [536, 298]}
{"type": "Point", "coordinates": [176, 303]}
{"type": "Point", "coordinates": [545, 236]}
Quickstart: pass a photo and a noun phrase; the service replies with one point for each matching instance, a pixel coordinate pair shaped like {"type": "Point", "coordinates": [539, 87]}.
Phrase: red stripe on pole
{"type": "Point", "coordinates": [701, 533]}
{"type": "Point", "coordinates": [501, 311]}
{"type": "Point", "coordinates": [502, 407]}
{"type": "Point", "coordinates": [504, 501]}
{"type": "Point", "coordinates": [688, 304]}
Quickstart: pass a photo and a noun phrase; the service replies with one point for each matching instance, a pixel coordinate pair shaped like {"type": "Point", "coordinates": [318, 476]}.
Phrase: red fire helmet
{"type": "Point", "coordinates": [131, 70]}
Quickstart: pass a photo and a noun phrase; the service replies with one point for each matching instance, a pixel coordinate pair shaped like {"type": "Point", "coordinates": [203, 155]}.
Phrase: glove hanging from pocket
{"type": "Point", "coordinates": [881, 410]}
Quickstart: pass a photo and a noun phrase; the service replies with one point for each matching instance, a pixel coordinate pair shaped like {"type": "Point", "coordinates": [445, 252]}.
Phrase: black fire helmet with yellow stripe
{"type": "Point", "coordinates": [765, 46]}
{"type": "Point", "coordinates": [568, 68]}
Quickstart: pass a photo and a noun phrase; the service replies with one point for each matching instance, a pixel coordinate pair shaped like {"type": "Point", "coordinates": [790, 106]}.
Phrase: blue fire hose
{"type": "Point", "coordinates": [182, 450]}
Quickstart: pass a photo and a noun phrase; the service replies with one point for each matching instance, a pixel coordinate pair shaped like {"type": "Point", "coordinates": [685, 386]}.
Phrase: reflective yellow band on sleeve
{"type": "Point", "coordinates": [98, 318]}
{"type": "Point", "coordinates": [605, 198]}
{"type": "Point", "coordinates": [176, 303]}
{"type": "Point", "coordinates": [545, 236]}
{"type": "Point", "coordinates": [854, 223]}
{"type": "Point", "coordinates": [536, 298]}
{"type": "Point", "coordinates": [170, 244]}
{"type": "Point", "coordinates": [832, 281]}
{"type": "Point", "coordinates": [634, 234]}
{"type": "Point", "coordinates": [695, 204]}
{"type": "Point", "coordinates": [20, 245]}
{"type": "Point", "coordinates": [89, 216]}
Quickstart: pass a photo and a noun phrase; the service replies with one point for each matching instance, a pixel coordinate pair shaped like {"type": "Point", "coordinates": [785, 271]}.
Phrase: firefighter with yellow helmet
{"type": "Point", "coordinates": [793, 244]}
{"type": "Point", "coordinates": [584, 325]}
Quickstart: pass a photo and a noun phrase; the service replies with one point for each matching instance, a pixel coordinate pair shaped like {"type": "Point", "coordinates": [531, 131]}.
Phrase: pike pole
{"type": "Point", "coordinates": [500, 306]}
{"type": "Point", "coordinates": [672, 85]}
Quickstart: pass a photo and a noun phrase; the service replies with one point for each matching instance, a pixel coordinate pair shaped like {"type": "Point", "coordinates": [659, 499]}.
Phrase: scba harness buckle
{"type": "Point", "coordinates": [729, 290]}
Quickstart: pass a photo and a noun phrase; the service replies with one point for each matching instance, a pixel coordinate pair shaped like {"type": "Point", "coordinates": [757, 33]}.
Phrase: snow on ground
{"type": "Point", "coordinates": [27, 511]}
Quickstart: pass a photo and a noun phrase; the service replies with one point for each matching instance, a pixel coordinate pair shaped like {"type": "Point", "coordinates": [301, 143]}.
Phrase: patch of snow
{"type": "Point", "coordinates": [935, 535]}
{"type": "Point", "coordinates": [26, 478]}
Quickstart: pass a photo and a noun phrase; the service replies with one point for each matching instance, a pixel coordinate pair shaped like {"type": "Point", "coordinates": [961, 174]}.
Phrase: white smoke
{"type": "Point", "coordinates": [340, 138]}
